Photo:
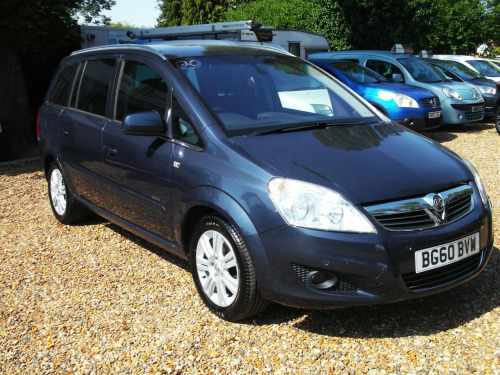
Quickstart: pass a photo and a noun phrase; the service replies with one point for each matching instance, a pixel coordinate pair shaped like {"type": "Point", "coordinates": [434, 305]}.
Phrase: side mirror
{"type": "Point", "coordinates": [397, 77]}
{"type": "Point", "coordinates": [143, 123]}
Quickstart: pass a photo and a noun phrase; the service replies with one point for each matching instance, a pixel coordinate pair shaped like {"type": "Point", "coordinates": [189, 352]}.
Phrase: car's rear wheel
{"type": "Point", "coordinates": [64, 205]}
{"type": "Point", "coordinates": [223, 271]}
{"type": "Point", "coordinates": [497, 119]}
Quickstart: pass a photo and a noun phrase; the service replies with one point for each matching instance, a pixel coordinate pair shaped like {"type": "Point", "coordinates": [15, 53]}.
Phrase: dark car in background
{"type": "Point", "coordinates": [414, 107]}
{"type": "Point", "coordinates": [496, 115]}
{"type": "Point", "coordinates": [274, 180]}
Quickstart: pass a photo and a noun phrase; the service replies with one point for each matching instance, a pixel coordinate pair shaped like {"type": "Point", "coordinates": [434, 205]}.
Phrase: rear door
{"type": "Point", "coordinates": [137, 169]}
{"type": "Point", "coordinates": [81, 125]}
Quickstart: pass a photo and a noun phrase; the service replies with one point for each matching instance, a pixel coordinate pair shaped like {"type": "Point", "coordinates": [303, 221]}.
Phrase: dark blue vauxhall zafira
{"type": "Point", "coordinates": [271, 178]}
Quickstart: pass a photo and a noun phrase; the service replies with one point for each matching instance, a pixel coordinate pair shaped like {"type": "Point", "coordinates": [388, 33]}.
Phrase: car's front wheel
{"type": "Point", "coordinates": [65, 207]}
{"type": "Point", "coordinates": [497, 119]}
{"type": "Point", "coordinates": [223, 271]}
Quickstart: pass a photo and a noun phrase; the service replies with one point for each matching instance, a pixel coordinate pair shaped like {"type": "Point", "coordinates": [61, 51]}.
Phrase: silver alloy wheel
{"type": "Point", "coordinates": [58, 192]}
{"type": "Point", "coordinates": [217, 268]}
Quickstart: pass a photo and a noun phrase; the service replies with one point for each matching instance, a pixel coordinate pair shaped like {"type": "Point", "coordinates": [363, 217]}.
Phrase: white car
{"type": "Point", "coordinates": [483, 66]}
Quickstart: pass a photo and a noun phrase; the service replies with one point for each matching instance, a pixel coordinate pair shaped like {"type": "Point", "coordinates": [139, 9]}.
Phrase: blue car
{"type": "Point", "coordinates": [416, 108]}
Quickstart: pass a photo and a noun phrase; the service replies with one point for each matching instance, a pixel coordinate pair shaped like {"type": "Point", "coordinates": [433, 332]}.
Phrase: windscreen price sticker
{"type": "Point", "coordinates": [442, 255]}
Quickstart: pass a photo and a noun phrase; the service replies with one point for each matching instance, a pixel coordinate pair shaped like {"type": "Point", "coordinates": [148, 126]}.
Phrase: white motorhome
{"type": "Point", "coordinates": [299, 43]}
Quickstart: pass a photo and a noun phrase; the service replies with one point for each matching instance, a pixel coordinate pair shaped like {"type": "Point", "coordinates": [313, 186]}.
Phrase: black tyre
{"type": "Point", "coordinates": [496, 117]}
{"type": "Point", "coordinates": [64, 205]}
{"type": "Point", "coordinates": [223, 271]}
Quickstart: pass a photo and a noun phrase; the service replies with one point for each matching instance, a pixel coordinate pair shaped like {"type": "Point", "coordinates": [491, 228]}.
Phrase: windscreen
{"type": "Point", "coordinates": [460, 69]}
{"type": "Point", "coordinates": [357, 73]}
{"type": "Point", "coordinates": [251, 93]}
{"type": "Point", "coordinates": [421, 71]}
{"type": "Point", "coordinates": [485, 68]}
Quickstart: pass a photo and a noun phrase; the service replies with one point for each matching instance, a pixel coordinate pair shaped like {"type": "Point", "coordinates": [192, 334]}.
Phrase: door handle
{"type": "Point", "coordinates": [110, 151]}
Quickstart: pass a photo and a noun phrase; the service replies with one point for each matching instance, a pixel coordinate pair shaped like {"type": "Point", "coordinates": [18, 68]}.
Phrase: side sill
{"type": "Point", "coordinates": [138, 231]}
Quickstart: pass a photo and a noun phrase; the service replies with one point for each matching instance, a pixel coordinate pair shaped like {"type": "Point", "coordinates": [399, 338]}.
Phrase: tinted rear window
{"type": "Point", "coordinates": [62, 87]}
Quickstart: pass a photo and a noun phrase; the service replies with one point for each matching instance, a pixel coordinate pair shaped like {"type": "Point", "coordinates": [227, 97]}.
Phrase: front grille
{"type": "Point", "coordinates": [474, 116]}
{"type": "Point", "coordinates": [419, 213]}
{"type": "Point", "coordinates": [443, 275]}
{"type": "Point", "coordinates": [459, 207]}
{"type": "Point", "coordinates": [343, 285]}
{"type": "Point", "coordinates": [405, 221]}
{"type": "Point", "coordinates": [430, 102]}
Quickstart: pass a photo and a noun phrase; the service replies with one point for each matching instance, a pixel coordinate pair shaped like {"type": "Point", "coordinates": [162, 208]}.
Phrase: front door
{"type": "Point", "coordinates": [136, 169]}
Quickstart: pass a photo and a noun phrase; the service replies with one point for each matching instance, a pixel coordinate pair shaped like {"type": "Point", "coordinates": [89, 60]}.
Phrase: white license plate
{"type": "Point", "coordinates": [435, 114]}
{"type": "Point", "coordinates": [442, 255]}
{"type": "Point", "coordinates": [477, 108]}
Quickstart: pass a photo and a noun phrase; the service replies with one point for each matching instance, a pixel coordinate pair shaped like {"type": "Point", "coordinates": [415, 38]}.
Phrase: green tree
{"type": "Point", "coordinates": [34, 36]}
{"type": "Point", "coordinates": [458, 26]}
{"type": "Point", "coordinates": [280, 14]}
{"type": "Point", "coordinates": [192, 12]}
{"type": "Point", "coordinates": [170, 13]}
{"type": "Point", "coordinates": [91, 10]}
{"type": "Point", "coordinates": [195, 12]}
{"type": "Point", "coordinates": [329, 20]}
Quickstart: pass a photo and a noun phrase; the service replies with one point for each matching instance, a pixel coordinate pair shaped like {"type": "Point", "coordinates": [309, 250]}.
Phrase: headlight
{"type": "Point", "coordinates": [479, 182]}
{"type": "Point", "coordinates": [401, 100]}
{"type": "Point", "coordinates": [487, 90]}
{"type": "Point", "coordinates": [449, 92]}
{"type": "Point", "coordinates": [312, 206]}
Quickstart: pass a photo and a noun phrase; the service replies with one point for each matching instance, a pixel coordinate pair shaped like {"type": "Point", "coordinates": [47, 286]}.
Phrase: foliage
{"type": "Point", "coordinates": [281, 14]}
{"type": "Point", "coordinates": [90, 10]}
{"type": "Point", "coordinates": [458, 26]}
{"type": "Point", "coordinates": [35, 35]}
{"type": "Point", "coordinates": [329, 20]}
{"type": "Point", "coordinates": [170, 13]}
{"type": "Point", "coordinates": [191, 12]}
{"type": "Point", "coordinates": [122, 24]}
{"type": "Point", "coordinates": [441, 25]}
{"type": "Point", "coordinates": [33, 26]}
{"type": "Point", "coordinates": [492, 21]}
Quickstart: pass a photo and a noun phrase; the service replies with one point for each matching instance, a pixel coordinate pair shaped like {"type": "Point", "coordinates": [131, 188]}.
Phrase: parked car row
{"type": "Point", "coordinates": [459, 100]}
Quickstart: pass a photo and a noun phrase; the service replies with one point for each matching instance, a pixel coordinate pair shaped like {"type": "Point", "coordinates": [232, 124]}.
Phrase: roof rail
{"type": "Point", "coordinates": [243, 30]}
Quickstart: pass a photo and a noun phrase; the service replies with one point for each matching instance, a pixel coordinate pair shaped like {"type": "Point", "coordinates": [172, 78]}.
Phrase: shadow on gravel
{"type": "Point", "coordinates": [425, 316]}
{"type": "Point", "coordinates": [12, 169]}
{"type": "Point", "coordinates": [447, 133]}
{"type": "Point", "coordinates": [163, 254]}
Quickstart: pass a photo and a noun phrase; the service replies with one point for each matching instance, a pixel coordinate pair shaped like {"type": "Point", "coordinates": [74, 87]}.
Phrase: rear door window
{"type": "Point", "coordinates": [94, 87]}
{"type": "Point", "coordinates": [384, 68]}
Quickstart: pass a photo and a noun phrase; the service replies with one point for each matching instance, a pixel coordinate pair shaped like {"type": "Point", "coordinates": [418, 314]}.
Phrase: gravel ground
{"type": "Point", "coordinates": [94, 299]}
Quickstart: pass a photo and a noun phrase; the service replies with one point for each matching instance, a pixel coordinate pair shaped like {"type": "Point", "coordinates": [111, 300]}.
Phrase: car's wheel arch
{"type": "Point", "coordinates": [209, 200]}
{"type": "Point", "coordinates": [47, 162]}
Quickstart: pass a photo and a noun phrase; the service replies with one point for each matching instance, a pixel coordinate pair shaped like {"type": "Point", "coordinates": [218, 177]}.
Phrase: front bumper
{"type": "Point", "coordinates": [420, 124]}
{"type": "Point", "coordinates": [461, 113]}
{"type": "Point", "coordinates": [366, 269]}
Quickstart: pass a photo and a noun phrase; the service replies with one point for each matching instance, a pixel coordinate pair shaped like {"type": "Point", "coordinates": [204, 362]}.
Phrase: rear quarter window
{"type": "Point", "coordinates": [62, 87]}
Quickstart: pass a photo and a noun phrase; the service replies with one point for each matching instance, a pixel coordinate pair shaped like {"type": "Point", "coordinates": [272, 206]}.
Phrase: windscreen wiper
{"type": "Point", "coordinates": [307, 126]}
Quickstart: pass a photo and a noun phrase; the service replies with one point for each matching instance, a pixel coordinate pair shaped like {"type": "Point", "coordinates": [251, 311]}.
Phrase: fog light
{"type": "Point", "coordinates": [321, 279]}
{"type": "Point", "coordinates": [460, 116]}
